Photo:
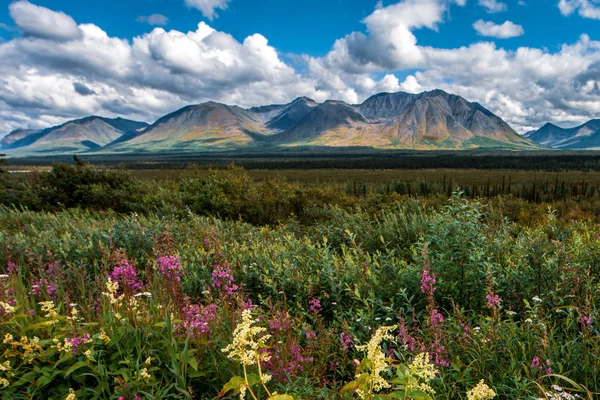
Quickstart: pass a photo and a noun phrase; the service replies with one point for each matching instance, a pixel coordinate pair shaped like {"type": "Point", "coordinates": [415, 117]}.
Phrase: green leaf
{"type": "Point", "coordinates": [75, 367]}
{"type": "Point", "coordinates": [417, 394]}
{"type": "Point", "coordinates": [355, 384]}
{"type": "Point", "coordinates": [281, 397]}
{"type": "Point", "coordinates": [234, 384]}
{"type": "Point", "coordinates": [193, 363]}
{"type": "Point", "coordinates": [253, 379]}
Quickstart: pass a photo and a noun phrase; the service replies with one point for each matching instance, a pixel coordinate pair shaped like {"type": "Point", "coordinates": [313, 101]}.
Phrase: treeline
{"type": "Point", "coordinates": [532, 161]}
{"type": "Point", "coordinates": [231, 193]}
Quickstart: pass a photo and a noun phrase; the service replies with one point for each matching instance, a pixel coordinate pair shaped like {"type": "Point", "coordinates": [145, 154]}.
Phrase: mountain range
{"type": "Point", "coordinates": [428, 120]}
{"type": "Point", "coordinates": [586, 136]}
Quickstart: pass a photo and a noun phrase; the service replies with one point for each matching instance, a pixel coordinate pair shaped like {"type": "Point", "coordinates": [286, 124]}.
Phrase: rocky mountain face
{"type": "Point", "coordinates": [585, 136]}
{"type": "Point", "coordinates": [90, 133]}
{"type": "Point", "coordinates": [429, 120]}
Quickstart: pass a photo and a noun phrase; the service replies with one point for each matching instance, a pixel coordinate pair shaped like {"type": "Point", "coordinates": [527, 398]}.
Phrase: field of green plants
{"type": "Point", "coordinates": [219, 286]}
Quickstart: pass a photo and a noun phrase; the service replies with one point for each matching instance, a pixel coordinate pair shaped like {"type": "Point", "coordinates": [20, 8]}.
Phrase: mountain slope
{"type": "Point", "coordinates": [18, 138]}
{"type": "Point", "coordinates": [74, 136]}
{"type": "Point", "coordinates": [585, 136]}
{"type": "Point", "coordinates": [196, 127]}
{"type": "Point", "coordinates": [429, 120]}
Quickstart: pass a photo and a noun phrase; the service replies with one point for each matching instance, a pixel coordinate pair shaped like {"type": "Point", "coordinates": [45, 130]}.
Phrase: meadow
{"type": "Point", "coordinates": [220, 284]}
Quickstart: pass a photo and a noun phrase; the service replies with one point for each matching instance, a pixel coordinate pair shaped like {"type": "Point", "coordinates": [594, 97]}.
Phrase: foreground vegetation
{"type": "Point", "coordinates": [220, 286]}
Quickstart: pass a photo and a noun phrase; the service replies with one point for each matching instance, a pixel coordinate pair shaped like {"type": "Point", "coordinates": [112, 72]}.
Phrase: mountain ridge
{"type": "Point", "coordinates": [581, 137]}
{"type": "Point", "coordinates": [400, 120]}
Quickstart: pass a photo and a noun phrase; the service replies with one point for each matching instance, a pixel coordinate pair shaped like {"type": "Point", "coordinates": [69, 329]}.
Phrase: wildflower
{"type": "Point", "coordinates": [104, 337]}
{"type": "Point", "coordinates": [71, 395]}
{"type": "Point", "coordinates": [4, 382]}
{"type": "Point", "coordinates": [7, 338]}
{"type": "Point", "coordinates": [51, 314]}
{"type": "Point", "coordinates": [536, 299]}
{"type": "Point", "coordinates": [126, 277]}
{"type": "Point", "coordinates": [280, 322]}
{"type": "Point", "coordinates": [111, 289]}
{"type": "Point", "coordinates": [6, 308]}
{"type": "Point", "coordinates": [423, 369]}
{"type": "Point", "coordinates": [197, 318]}
{"type": "Point", "coordinates": [143, 294]}
{"type": "Point", "coordinates": [436, 318]}
{"type": "Point", "coordinates": [585, 322]}
{"type": "Point", "coordinates": [246, 342]}
{"type": "Point", "coordinates": [76, 342]}
{"type": "Point", "coordinates": [377, 357]}
{"type": "Point", "coordinates": [511, 313]}
{"type": "Point", "coordinates": [481, 392]}
{"type": "Point", "coordinates": [346, 341]}
{"type": "Point", "coordinates": [222, 278]}
{"type": "Point", "coordinates": [529, 321]}
{"type": "Point", "coordinates": [315, 306]}
{"type": "Point", "coordinates": [145, 375]}
{"type": "Point", "coordinates": [4, 276]}
{"type": "Point", "coordinates": [170, 267]}
{"type": "Point", "coordinates": [89, 354]}
{"type": "Point", "coordinates": [73, 316]}
{"type": "Point", "coordinates": [428, 281]}
{"type": "Point", "coordinates": [41, 287]}
{"type": "Point", "coordinates": [493, 301]}
{"type": "Point", "coordinates": [310, 335]}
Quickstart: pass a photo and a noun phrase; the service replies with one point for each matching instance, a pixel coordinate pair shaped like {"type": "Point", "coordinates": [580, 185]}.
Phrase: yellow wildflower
{"type": "Point", "coordinates": [4, 382]}
{"type": "Point", "coordinates": [376, 357]}
{"type": "Point", "coordinates": [89, 354]}
{"type": "Point", "coordinates": [5, 367]}
{"type": "Point", "coordinates": [111, 289]}
{"type": "Point", "coordinates": [73, 316]}
{"type": "Point", "coordinates": [481, 392]}
{"type": "Point", "coordinates": [145, 375]}
{"type": "Point", "coordinates": [423, 369]}
{"type": "Point", "coordinates": [8, 338]}
{"type": "Point", "coordinates": [246, 342]}
{"type": "Point", "coordinates": [71, 395]}
{"type": "Point", "coordinates": [66, 347]}
{"type": "Point", "coordinates": [104, 337]}
{"type": "Point", "coordinates": [7, 308]}
{"type": "Point", "coordinates": [51, 314]}
{"type": "Point", "coordinates": [148, 361]}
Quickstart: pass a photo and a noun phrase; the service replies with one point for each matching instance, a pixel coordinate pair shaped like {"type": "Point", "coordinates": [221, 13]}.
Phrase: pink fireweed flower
{"type": "Point", "coordinates": [170, 267]}
{"type": "Point", "coordinates": [77, 342]}
{"type": "Point", "coordinates": [196, 319]}
{"type": "Point", "coordinates": [346, 341]}
{"type": "Point", "coordinates": [436, 318]}
{"type": "Point", "coordinates": [536, 362]}
{"type": "Point", "coordinates": [222, 278]}
{"type": "Point", "coordinates": [428, 281]}
{"type": "Point", "coordinates": [492, 301]}
{"type": "Point", "coordinates": [311, 335]}
{"type": "Point", "coordinates": [126, 276]}
{"type": "Point", "coordinates": [586, 322]}
{"type": "Point", "coordinates": [41, 287]}
{"type": "Point", "coordinates": [315, 306]}
{"type": "Point", "coordinates": [280, 322]}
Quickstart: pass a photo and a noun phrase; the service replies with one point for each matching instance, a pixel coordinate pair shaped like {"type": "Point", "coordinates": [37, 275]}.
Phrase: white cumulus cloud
{"type": "Point", "coordinates": [208, 7]}
{"type": "Point", "coordinates": [501, 31]}
{"type": "Point", "coordinates": [493, 6]}
{"type": "Point", "coordinates": [42, 22]}
{"type": "Point", "coordinates": [585, 8]}
{"type": "Point", "coordinates": [47, 78]}
{"type": "Point", "coordinates": [154, 19]}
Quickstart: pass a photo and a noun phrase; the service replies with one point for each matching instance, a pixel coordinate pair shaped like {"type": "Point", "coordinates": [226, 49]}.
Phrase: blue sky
{"type": "Point", "coordinates": [311, 26]}
{"type": "Point", "coordinates": [529, 61]}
